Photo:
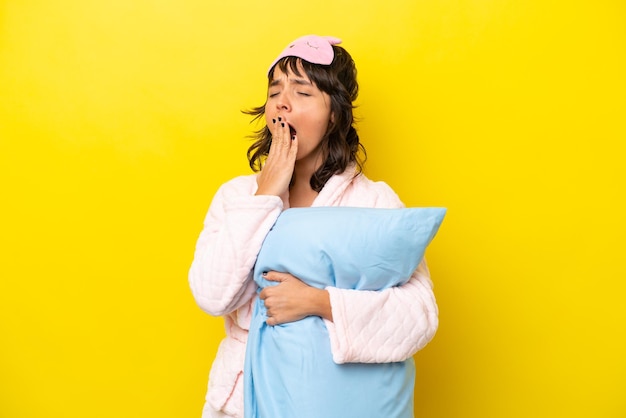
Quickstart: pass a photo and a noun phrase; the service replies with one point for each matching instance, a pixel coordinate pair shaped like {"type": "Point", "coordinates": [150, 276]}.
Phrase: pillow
{"type": "Point", "coordinates": [351, 248]}
{"type": "Point", "coordinates": [348, 247]}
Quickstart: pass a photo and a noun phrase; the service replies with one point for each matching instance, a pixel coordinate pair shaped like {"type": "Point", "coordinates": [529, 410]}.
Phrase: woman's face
{"type": "Point", "coordinates": [303, 106]}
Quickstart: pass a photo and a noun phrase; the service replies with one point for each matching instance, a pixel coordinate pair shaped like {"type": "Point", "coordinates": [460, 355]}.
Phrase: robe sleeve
{"type": "Point", "coordinates": [235, 226]}
{"type": "Point", "coordinates": [383, 326]}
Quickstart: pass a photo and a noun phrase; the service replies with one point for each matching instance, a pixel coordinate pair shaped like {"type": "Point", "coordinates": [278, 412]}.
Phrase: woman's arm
{"type": "Point", "coordinates": [363, 326]}
{"type": "Point", "coordinates": [234, 229]}
{"type": "Point", "coordinates": [383, 326]}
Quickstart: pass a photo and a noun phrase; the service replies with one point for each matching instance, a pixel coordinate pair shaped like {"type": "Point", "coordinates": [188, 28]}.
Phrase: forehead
{"type": "Point", "coordinates": [280, 76]}
{"type": "Point", "coordinates": [289, 68]}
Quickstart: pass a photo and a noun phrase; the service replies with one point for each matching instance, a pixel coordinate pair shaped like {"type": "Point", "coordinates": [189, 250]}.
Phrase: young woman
{"type": "Point", "coordinates": [305, 156]}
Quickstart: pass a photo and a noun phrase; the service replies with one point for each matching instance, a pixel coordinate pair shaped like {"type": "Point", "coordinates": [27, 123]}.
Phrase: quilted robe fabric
{"type": "Point", "coordinates": [367, 327]}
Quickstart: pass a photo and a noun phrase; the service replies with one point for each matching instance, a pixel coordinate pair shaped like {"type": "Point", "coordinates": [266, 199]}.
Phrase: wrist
{"type": "Point", "coordinates": [320, 303]}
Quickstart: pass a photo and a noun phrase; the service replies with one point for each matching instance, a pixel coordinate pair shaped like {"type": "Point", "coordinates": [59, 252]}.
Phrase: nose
{"type": "Point", "coordinates": [283, 103]}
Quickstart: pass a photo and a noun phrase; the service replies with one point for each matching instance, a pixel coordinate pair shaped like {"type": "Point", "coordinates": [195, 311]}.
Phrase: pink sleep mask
{"type": "Point", "coordinates": [312, 48]}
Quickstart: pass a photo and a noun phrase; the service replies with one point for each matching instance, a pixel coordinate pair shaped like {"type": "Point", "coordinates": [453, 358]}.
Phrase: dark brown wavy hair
{"type": "Point", "coordinates": [340, 145]}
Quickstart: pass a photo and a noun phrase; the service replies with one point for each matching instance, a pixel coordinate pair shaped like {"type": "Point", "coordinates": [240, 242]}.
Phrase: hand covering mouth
{"type": "Point", "coordinates": [292, 131]}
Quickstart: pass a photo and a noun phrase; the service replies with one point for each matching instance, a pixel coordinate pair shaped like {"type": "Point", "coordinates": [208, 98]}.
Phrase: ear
{"type": "Point", "coordinates": [332, 117]}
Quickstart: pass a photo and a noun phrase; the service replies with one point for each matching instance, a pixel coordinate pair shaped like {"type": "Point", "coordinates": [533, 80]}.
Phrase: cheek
{"type": "Point", "coordinates": [323, 124]}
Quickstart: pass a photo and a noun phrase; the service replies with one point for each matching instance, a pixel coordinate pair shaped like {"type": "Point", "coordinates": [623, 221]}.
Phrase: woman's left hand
{"type": "Point", "coordinates": [291, 299]}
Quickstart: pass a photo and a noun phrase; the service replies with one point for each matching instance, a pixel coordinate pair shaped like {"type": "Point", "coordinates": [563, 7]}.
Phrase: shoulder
{"type": "Point", "coordinates": [238, 186]}
{"type": "Point", "coordinates": [234, 190]}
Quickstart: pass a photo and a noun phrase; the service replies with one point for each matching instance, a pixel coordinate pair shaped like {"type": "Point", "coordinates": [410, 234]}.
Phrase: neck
{"type": "Point", "coordinates": [304, 169]}
{"type": "Point", "coordinates": [300, 193]}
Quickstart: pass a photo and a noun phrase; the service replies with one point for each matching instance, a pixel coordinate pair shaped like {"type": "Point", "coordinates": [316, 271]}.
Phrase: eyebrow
{"type": "Point", "coordinates": [299, 81]}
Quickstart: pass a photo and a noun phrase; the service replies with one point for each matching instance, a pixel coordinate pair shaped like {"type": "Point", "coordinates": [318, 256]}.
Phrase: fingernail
{"type": "Point", "coordinates": [273, 120]}
{"type": "Point", "coordinates": [279, 119]}
{"type": "Point", "coordinates": [282, 124]}
{"type": "Point", "coordinates": [264, 273]}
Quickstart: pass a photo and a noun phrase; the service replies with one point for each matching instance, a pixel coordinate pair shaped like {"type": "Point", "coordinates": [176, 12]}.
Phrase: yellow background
{"type": "Point", "coordinates": [119, 119]}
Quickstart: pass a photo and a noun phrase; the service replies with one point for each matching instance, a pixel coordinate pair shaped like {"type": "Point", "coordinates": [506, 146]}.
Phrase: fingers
{"type": "Point", "coordinates": [274, 305]}
{"type": "Point", "coordinates": [272, 316]}
{"type": "Point", "coordinates": [277, 171]}
{"type": "Point", "coordinates": [284, 148]}
{"type": "Point", "coordinates": [274, 276]}
{"type": "Point", "coordinates": [287, 301]}
{"type": "Point", "coordinates": [275, 318]}
{"type": "Point", "coordinates": [281, 140]}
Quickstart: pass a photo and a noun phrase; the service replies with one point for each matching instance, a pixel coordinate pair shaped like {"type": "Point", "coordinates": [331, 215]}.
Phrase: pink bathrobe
{"type": "Point", "coordinates": [368, 326]}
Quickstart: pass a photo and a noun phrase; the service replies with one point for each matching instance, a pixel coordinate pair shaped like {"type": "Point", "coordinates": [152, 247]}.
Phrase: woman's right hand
{"type": "Point", "coordinates": [277, 171]}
